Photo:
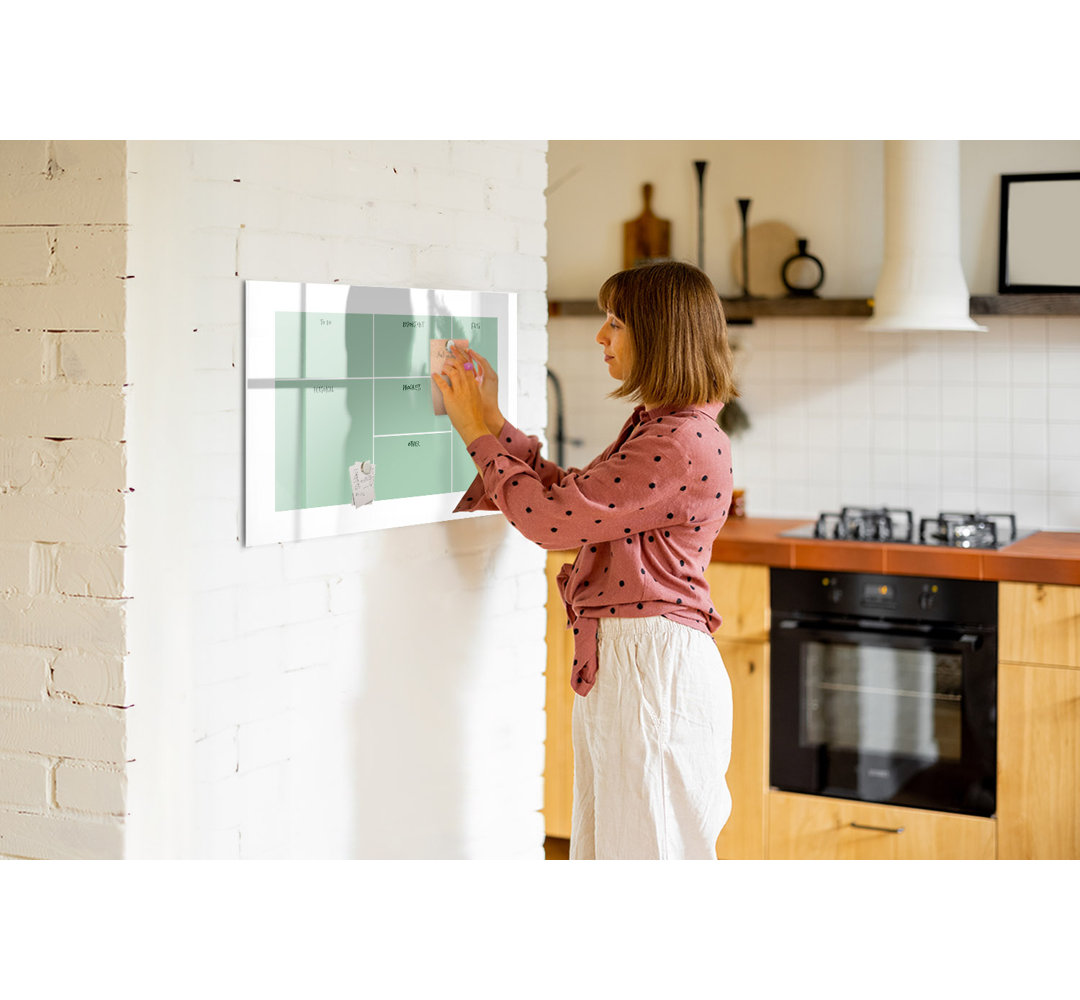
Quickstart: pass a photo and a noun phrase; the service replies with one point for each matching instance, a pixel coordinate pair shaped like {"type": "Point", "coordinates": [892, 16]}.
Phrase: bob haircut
{"type": "Point", "coordinates": [672, 312]}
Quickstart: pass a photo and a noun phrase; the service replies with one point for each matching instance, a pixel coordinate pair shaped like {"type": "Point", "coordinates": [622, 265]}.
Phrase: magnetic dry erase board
{"type": "Point", "coordinates": [338, 385]}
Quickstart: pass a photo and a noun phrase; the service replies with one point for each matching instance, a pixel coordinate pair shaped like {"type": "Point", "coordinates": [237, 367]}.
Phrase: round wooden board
{"type": "Point", "coordinates": [771, 243]}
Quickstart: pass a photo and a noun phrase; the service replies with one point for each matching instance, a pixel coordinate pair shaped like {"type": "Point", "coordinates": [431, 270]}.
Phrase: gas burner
{"type": "Point", "coordinates": [896, 525]}
{"type": "Point", "coordinates": [869, 524]}
{"type": "Point", "coordinates": [968, 531]}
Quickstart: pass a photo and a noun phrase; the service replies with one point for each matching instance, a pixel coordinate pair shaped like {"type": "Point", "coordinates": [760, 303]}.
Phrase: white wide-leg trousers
{"type": "Point", "coordinates": [652, 741]}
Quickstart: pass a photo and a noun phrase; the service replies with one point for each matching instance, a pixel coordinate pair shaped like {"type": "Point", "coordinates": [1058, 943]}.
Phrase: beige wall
{"type": "Point", "coordinates": [831, 192]}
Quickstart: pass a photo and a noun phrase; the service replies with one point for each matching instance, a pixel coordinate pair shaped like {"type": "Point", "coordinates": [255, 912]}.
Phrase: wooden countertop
{"type": "Point", "coordinates": [1044, 557]}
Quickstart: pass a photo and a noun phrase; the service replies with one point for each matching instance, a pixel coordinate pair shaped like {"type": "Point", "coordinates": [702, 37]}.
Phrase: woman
{"type": "Point", "coordinates": [652, 728]}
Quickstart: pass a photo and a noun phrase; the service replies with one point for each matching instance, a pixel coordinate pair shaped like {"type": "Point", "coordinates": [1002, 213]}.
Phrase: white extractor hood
{"type": "Point", "coordinates": [922, 286]}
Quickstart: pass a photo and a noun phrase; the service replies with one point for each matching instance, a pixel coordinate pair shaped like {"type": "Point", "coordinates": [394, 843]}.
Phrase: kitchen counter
{"type": "Point", "coordinates": [1043, 557]}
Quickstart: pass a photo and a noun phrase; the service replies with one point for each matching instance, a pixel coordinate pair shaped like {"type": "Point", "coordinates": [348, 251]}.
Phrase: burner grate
{"type": "Point", "coordinates": [871, 524]}
{"type": "Point", "coordinates": [968, 530]}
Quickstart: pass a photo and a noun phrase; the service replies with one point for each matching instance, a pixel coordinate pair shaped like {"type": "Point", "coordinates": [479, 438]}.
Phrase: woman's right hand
{"type": "Point", "coordinates": [489, 393]}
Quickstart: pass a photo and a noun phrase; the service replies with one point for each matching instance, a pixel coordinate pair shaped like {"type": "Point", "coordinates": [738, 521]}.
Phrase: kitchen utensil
{"type": "Point", "coordinates": [647, 237]}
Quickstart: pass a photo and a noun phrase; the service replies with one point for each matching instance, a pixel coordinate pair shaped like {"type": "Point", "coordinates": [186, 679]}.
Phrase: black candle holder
{"type": "Point", "coordinates": [744, 208]}
{"type": "Point", "coordinates": [700, 166]}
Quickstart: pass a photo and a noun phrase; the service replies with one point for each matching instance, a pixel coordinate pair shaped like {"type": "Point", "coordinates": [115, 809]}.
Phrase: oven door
{"type": "Point", "coordinates": [883, 713]}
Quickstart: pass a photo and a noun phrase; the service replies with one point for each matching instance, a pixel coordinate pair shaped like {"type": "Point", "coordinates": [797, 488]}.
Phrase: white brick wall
{"type": "Point", "coordinates": [62, 494]}
{"type": "Point", "coordinates": [373, 695]}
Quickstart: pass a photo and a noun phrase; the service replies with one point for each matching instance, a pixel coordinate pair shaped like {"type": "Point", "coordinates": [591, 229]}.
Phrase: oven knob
{"type": "Point", "coordinates": [928, 596]}
{"type": "Point", "coordinates": [835, 595]}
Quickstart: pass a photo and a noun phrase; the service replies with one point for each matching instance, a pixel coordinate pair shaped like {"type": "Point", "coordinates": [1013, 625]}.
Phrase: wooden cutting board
{"type": "Point", "coordinates": [647, 237]}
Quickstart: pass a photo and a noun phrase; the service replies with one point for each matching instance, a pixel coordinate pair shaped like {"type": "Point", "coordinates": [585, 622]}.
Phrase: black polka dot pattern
{"type": "Point", "coordinates": [664, 470]}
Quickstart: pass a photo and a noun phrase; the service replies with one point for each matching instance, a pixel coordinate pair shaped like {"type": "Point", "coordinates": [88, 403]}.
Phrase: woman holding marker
{"type": "Point", "coordinates": [652, 730]}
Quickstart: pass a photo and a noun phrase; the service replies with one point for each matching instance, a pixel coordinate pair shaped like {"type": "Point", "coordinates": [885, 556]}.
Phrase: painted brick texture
{"type": "Point", "coordinates": [376, 695]}
{"type": "Point", "coordinates": [62, 490]}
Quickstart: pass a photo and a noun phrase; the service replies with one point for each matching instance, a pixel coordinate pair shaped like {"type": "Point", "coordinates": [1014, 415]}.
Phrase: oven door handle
{"type": "Point", "coordinates": [851, 629]}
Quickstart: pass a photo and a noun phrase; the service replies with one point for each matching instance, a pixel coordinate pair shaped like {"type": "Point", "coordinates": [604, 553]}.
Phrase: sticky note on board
{"type": "Point", "coordinates": [441, 352]}
{"type": "Point", "coordinates": [362, 477]}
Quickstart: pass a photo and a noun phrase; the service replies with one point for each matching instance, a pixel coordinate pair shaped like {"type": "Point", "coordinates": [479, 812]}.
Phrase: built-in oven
{"type": "Point", "coordinates": [884, 689]}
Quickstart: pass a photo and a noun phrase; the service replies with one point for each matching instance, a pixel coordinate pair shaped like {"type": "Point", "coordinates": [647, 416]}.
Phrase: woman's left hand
{"type": "Point", "coordinates": [462, 398]}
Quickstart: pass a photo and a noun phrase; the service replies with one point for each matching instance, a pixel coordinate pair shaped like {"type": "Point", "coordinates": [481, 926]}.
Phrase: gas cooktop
{"type": "Point", "coordinates": [897, 525]}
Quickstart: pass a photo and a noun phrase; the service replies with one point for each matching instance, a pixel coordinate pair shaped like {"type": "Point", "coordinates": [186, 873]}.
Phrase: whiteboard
{"type": "Point", "coordinates": [337, 375]}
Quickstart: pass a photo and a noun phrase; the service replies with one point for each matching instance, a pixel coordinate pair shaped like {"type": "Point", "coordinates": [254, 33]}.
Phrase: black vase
{"type": "Point", "coordinates": [798, 273]}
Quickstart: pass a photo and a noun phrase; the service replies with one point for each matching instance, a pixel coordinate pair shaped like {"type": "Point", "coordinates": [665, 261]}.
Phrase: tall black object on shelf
{"type": "Point", "coordinates": [744, 207]}
{"type": "Point", "coordinates": [800, 280]}
{"type": "Point", "coordinates": [700, 166]}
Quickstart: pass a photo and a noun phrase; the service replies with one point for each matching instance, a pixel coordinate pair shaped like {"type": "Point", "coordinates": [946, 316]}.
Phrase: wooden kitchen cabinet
{"type": "Point", "coordinates": [559, 704]}
{"type": "Point", "coordinates": [743, 836]}
{"type": "Point", "coordinates": [816, 828]}
{"type": "Point", "coordinates": [741, 594]}
{"type": "Point", "coordinates": [1039, 623]}
{"type": "Point", "coordinates": [1038, 793]}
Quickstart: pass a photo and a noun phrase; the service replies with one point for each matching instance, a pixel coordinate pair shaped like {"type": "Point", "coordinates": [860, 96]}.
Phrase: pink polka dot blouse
{"type": "Point", "coordinates": [644, 513]}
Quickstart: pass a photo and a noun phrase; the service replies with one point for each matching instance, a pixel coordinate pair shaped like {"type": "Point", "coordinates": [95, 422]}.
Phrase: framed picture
{"type": "Point", "coordinates": [344, 427]}
{"type": "Point", "coordinates": [1039, 248]}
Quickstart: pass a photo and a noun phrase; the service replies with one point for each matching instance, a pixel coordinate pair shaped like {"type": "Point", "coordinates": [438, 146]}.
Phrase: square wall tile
{"type": "Point", "coordinates": [1063, 403]}
{"type": "Point", "coordinates": [922, 357]}
{"type": "Point", "coordinates": [1029, 439]}
{"type": "Point", "coordinates": [1028, 402]}
{"type": "Point", "coordinates": [1030, 474]}
{"type": "Point", "coordinates": [993, 472]}
{"type": "Point", "coordinates": [958, 472]}
{"type": "Point", "coordinates": [992, 437]}
{"type": "Point", "coordinates": [1027, 368]}
{"type": "Point", "coordinates": [992, 367]}
{"type": "Point", "coordinates": [1030, 510]}
{"type": "Point", "coordinates": [1063, 511]}
{"type": "Point", "coordinates": [924, 401]}
{"type": "Point", "coordinates": [992, 402]}
{"type": "Point", "coordinates": [1064, 368]}
{"type": "Point", "coordinates": [958, 401]}
{"type": "Point", "coordinates": [1063, 475]}
{"type": "Point", "coordinates": [1064, 439]}
{"type": "Point", "coordinates": [923, 436]}
{"type": "Point", "coordinates": [922, 472]}
{"type": "Point", "coordinates": [1028, 334]}
{"type": "Point", "coordinates": [888, 400]}
{"type": "Point", "coordinates": [958, 437]}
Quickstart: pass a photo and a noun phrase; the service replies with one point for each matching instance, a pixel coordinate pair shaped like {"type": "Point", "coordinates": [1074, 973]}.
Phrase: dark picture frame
{"type": "Point", "coordinates": [1039, 233]}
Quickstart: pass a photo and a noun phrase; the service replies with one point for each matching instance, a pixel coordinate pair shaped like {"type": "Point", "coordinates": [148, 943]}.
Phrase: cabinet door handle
{"type": "Point", "coordinates": [879, 829]}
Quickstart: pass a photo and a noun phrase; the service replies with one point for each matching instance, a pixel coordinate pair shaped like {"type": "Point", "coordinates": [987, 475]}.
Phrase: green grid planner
{"type": "Point", "coordinates": [353, 387]}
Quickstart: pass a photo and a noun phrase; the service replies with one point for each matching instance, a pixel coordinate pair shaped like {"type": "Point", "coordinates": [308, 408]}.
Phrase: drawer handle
{"type": "Point", "coordinates": [879, 829]}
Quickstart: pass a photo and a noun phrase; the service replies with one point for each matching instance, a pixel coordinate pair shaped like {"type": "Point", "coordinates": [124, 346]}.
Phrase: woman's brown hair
{"type": "Point", "coordinates": [681, 355]}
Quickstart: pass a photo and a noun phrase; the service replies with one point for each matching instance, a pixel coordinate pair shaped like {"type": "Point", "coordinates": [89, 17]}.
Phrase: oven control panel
{"type": "Point", "coordinates": [878, 595]}
{"type": "Point", "coordinates": [801, 593]}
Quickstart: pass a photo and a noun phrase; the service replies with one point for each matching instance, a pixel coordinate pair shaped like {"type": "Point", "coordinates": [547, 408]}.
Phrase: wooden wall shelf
{"type": "Point", "coordinates": [743, 309]}
{"type": "Point", "coordinates": [1059, 304]}
{"type": "Point", "coordinates": [746, 310]}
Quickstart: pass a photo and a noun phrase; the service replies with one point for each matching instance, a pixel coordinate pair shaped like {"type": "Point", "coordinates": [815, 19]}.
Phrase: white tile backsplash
{"type": "Point", "coordinates": [1063, 402]}
{"type": "Point", "coordinates": [931, 420]}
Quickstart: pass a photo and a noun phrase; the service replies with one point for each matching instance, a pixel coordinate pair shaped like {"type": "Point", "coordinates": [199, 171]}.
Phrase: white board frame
{"type": "Point", "coordinates": [262, 300]}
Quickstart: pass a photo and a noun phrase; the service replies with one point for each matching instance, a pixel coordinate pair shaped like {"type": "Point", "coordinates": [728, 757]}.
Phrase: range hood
{"type": "Point", "coordinates": [922, 286]}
